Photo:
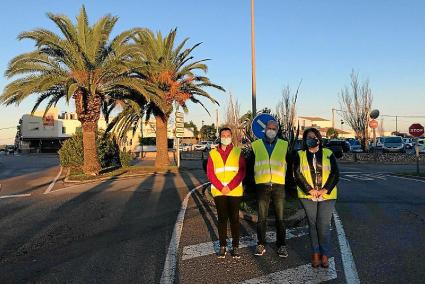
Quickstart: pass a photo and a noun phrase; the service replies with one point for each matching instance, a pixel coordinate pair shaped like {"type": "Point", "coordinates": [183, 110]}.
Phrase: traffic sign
{"type": "Point", "coordinates": [259, 123]}
{"type": "Point", "coordinates": [373, 124]}
{"type": "Point", "coordinates": [179, 114]}
{"type": "Point", "coordinates": [416, 130]}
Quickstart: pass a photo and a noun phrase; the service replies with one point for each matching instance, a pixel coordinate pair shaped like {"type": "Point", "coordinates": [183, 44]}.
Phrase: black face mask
{"type": "Point", "coordinates": [312, 142]}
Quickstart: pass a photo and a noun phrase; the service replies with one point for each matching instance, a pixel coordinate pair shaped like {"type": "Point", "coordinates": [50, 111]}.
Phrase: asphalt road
{"type": "Point", "coordinates": [121, 231]}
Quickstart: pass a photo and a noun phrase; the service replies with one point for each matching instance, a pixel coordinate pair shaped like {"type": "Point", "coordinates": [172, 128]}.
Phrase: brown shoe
{"type": "Point", "coordinates": [315, 260]}
{"type": "Point", "coordinates": [325, 262]}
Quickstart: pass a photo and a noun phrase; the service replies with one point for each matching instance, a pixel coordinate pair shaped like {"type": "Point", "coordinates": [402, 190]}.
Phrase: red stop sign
{"type": "Point", "coordinates": [373, 124]}
{"type": "Point", "coordinates": [416, 130]}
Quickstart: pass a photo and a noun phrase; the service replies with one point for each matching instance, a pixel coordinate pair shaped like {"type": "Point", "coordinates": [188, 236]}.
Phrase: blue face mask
{"type": "Point", "coordinates": [312, 142]}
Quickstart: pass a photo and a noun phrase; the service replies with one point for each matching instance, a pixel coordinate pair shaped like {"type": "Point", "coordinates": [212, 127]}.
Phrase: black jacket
{"type": "Point", "coordinates": [316, 174]}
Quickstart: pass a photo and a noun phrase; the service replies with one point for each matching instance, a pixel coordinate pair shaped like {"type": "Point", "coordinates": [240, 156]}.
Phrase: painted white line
{"type": "Point", "coordinates": [344, 178]}
{"type": "Point", "coordinates": [209, 248]}
{"type": "Point", "coordinates": [301, 274]}
{"type": "Point", "coordinates": [15, 195]}
{"type": "Point", "coordinates": [377, 176]}
{"type": "Point", "coordinates": [53, 182]}
{"type": "Point", "coordinates": [358, 177]}
{"type": "Point", "coordinates": [348, 263]}
{"type": "Point", "coordinates": [169, 269]}
{"type": "Point", "coordinates": [406, 178]}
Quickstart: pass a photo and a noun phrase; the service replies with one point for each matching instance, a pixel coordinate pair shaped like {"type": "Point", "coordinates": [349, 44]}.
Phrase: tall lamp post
{"type": "Point", "coordinates": [253, 86]}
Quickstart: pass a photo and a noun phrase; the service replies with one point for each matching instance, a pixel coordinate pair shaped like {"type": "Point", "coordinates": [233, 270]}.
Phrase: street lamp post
{"type": "Point", "coordinates": [253, 86]}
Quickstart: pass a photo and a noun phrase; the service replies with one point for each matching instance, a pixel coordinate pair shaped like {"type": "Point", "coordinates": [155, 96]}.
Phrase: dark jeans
{"type": "Point", "coordinates": [228, 209]}
{"type": "Point", "coordinates": [265, 193]}
{"type": "Point", "coordinates": [319, 215]}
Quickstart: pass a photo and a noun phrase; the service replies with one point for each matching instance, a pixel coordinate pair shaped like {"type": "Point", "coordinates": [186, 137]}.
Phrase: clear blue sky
{"type": "Point", "coordinates": [317, 41]}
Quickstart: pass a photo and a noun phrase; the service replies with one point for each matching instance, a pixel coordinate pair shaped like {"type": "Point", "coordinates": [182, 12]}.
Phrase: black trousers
{"type": "Point", "coordinates": [266, 193]}
{"type": "Point", "coordinates": [228, 209]}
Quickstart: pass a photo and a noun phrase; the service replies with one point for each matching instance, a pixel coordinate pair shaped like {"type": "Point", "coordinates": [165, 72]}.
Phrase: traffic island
{"type": "Point", "coordinates": [294, 214]}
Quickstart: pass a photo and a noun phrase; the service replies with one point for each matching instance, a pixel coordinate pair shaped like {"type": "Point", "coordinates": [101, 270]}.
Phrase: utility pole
{"type": "Point", "coordinates": [396, 124]}
{"type": "Point", "coordinates": [216, 122]}
{"type": "Point", "coordinates": [333, 118]}
{"type": "Point", "coordinates": [253, 86]}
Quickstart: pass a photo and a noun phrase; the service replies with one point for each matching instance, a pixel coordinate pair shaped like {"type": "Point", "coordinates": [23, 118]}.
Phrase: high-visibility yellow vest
{"type": "Point", "coordinates": [226, 172]}
{"type": "Point", "coordinates": [326, 171]}
{"type": "Point", "coordinates": [270, 169]}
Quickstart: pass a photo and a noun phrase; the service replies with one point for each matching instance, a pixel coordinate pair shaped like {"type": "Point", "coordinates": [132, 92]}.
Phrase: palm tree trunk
{"type": "Point", "coordinates": [91, 162]}
{"type": "Point", "coordinates": [88, 111]}
{"type": "Point", "coordinates": [162, 159]}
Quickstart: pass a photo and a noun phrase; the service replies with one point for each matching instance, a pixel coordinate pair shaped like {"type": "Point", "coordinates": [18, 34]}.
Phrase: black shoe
{"type": "Point", "coordinates": [235, 253]}
{"type": "Point", "coordinates": [222, 252]}
{"type": "Point", "coordinates": [282, 251]}
{"type": "Point", "coordinates": [260, 250]}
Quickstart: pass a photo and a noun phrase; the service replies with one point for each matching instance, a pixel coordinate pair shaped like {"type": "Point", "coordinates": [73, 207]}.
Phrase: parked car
{"type": "Point", "coordinates": [409, 143]}
{"type": "Point", "coordinates": [185, 147]}
{"type": "Point", "coordinates": [345, 146]}
{"type": "Point", "coordinates": [421, 146]}
{"type": "Point", "coordinates": [335, 147]}
{"type": "Point", "coordinates": [215, 143]}
{"type": "Point", "coordinates": [203, 146]}
{"type": "Point", "coordinates": [379, 144]}
{"type": "Point", "coordinates": [393, 144]}
{"type": "Point", "coordinates": [355, 146]}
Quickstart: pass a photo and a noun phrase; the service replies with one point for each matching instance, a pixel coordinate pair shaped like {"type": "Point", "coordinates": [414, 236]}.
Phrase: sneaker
{"type": "Point", "coordinates": [235, 253]}
{"type": "Point", "coordinates": [222, 252]}
{"type": "Point", "coordinates": [260, 250]}
{"type": "Point", "coordinates": [282, 251]}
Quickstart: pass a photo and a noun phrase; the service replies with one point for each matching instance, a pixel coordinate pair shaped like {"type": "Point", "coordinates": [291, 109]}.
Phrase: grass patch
{"type": "Point", "coordinates": [76, 174]}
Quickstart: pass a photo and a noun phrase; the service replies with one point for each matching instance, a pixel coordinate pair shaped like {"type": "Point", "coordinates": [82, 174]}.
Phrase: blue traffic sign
{"type": "Point", "coordinates": [259, 123]}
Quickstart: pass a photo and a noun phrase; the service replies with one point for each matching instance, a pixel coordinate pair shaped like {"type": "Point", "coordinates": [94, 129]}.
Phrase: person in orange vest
{"type": "Point", "coordinates": [225, 171]}
{"type": "Point", "coordinates": [316, 175]}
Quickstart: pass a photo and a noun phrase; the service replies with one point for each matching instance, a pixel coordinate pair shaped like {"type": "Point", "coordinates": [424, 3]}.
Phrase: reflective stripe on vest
{"type": "Point", "coordinates": [226, 172]}
{"type": "Point", "coordinates": [270, 168]}
{"type": "Point", "coordinates": [326, 171]}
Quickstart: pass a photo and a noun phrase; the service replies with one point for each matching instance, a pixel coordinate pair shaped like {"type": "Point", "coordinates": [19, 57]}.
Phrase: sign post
{"type": "Point", "coordinates": [259, 123]}
{"type": "Point", "coordinates": [416, 130]}
{"type": "Point", "coordinates": [179, 131]}
{"type": "Point", "coordinates": [373, 124]}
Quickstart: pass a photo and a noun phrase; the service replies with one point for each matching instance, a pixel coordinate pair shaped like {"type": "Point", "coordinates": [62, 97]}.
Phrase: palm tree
{"type": "Point", "coordinates": [170, 75]}
{"type": "Point", "coordinates": [82, 63]}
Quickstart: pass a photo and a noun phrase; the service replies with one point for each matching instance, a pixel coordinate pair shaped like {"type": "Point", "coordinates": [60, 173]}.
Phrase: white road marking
{"type": "Point", "coordinates": [344, 178]}
{"type": "Point", "coordinates": [348, 263]}
{"type": "Point", "coordinates": [53, 182]}
{"type": "Point", "coordinates": [413, 179]}
{"type": "Point", "coordinates": [15, 195]}
{"type": "Point", "coordinates": [169, 269]}
{"type": "Point", "coordinates": [377, 176]}
{"type": "Point", "coordinates": [209, 248]}
{"type": "Point", "coordinates": [359, 177]}
{"type": "Point", "coordinates": [301, 274]}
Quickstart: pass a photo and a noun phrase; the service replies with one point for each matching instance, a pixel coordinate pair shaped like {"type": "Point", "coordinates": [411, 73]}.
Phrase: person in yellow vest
{"type": "Point", "coordinates": [316, 175]}
{"type": "Point", "coordinates": [226, 171]}
{"type": "Point", "coordinates": [269, 160]}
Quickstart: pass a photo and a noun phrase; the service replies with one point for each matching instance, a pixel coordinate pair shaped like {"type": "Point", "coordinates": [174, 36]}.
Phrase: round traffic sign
{"type": "Point", "coordinates": [374, 114]}
{"type": "Point", "coordinates": [259, 124]}
{"type": "Point", "coordinates": [416, 130]}
{"type": "Point", "coordinates": [373, 124]}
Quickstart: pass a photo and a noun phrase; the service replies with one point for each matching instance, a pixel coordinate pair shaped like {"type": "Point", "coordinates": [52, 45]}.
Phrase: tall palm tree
{"type": "Point", "coordinates": [174, 76]}
{"type": "Point", "coordinates": [171, 74]}
{"type": "Point", "coordinates": [81, 63]}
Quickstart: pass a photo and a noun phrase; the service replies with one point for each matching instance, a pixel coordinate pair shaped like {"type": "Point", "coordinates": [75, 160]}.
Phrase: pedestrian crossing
{"type": "Point", "coordinates": [362, 176]}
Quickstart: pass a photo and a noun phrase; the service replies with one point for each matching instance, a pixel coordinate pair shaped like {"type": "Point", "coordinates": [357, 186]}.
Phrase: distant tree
{"type": "Point", "coordinates": [286, 113]}
{"type": "Point", "coordinates": [332, 133]}
{"type": "Point", "coordinates": [356, 102]}
{"type": "Point", "coordinates": [232, 120]}
{"type": "Point", "coordinates": [192, 125]}
{"type": "Point", "coordinates": [208, 132]}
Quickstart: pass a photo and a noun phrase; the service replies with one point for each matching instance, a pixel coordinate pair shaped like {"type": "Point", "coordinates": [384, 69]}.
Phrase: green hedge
{"type": "Point", "coordinates": [71, 153]}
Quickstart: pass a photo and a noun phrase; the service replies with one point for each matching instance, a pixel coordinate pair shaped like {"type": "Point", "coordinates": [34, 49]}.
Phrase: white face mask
{"type": "Point", "coordinates": [226, 141]}
{"type": "Point", "coordinates": [271, 134]}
